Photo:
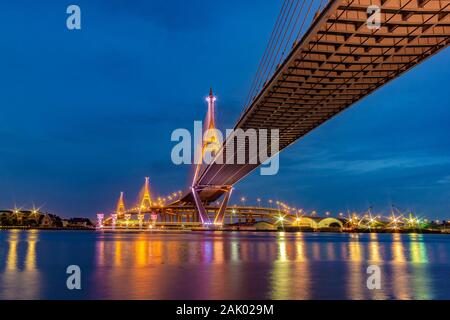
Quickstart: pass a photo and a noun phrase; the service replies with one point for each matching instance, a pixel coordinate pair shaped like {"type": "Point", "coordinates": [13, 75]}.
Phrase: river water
{"type": "Point", "coordinates": [228, 265]}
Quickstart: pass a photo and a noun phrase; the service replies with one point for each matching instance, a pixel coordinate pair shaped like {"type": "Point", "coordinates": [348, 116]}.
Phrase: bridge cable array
{"type": "Point", "coordinates": [288, 23]}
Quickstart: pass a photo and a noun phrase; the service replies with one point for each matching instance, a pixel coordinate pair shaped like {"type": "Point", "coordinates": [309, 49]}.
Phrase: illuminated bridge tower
{"type": "Point", "coordinates": [146, 200]}
{"type": "Point", "coordinates": [120, 209]}
{"type": "Point", "coordinates": [211, 146]}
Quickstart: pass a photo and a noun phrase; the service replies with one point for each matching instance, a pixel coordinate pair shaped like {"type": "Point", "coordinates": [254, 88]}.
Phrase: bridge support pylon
{"type": "Point", "coordinates": [200, 207]}
{"type": "Point", "coordinates": [203, 213]}
{"type": "Point", "coordinates": [220, 216]}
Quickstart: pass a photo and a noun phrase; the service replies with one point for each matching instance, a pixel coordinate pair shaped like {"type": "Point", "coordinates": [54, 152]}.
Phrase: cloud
{"type": "Point", "coordinates": [362, 162]}
{"type": "Point", "coordinates": [365, 166]}
{"type": "Point", "coordinates": [444, 180]}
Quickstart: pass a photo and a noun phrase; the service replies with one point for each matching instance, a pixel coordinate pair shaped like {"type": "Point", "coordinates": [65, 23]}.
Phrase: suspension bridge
{"type": "Point", "coordinates": [322, 58]}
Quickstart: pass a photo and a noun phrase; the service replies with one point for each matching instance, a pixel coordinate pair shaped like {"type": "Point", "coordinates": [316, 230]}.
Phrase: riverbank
{"type": "Point", "coordinates": [74, 228]}
{"type": "Point", "coordinates": [188, 230]}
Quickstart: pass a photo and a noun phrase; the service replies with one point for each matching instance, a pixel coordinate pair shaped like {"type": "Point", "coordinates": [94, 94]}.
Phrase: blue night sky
{"type": "Point", "coordinates": [87, 114]}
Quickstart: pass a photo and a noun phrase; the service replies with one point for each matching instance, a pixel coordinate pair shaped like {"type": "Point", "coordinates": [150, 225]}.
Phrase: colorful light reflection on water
{"type": "Point", "coordinates": [223, 265]}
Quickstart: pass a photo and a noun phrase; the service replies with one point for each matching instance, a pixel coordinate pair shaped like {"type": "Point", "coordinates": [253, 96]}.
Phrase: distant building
{"type": "Point", "coordinates": [80, 222]}
{"type": "Point", "coordinates": [47, 221]}
{"type": "Point", "coordinates": [29, 218]}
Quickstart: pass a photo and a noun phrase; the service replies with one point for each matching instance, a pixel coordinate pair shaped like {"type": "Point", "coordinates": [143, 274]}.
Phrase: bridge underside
{"type": "Point", "coordinates": [338, 62]}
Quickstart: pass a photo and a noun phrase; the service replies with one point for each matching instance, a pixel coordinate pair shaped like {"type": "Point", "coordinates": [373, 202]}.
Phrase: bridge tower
{"type": "Point", "coordinates": [146, 201]}
{"type": "Point", "coordinates": [211, 142]}
{"type": "Point", "coordinates": [211, 145]}
{"type": "Point", "coordinates": [120, 209]}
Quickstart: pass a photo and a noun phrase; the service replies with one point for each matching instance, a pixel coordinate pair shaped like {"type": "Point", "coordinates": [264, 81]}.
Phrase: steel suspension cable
{"type": "Point", "coordinates": [293, 28]}
{"type": "Point", "coordinates": [278, 40]}
{"type": "Point", "coordinates": [304, 20]}
{"type": "Point", "coordinates": [278, 60]}
{"type": "Point", "coordinates": [279, 44]}
{"type": "Point", "coordinates": [266, 53]}
{"type": "Point", "coordinates": [267, 68]}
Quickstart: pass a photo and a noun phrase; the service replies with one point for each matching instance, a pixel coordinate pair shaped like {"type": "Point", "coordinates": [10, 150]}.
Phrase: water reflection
{"type": "Point", "coordinates": [11, 261]}
{"type": "Point", "coordinates": [281, 275]}
{"type": "Point", "coordinates": [374, 249]}
{"type": "Point", "coordinates": [376, 258]}
{"type": "Point", "coordinates": [291, 277]}
{"type": "Point", "coordinates": [223, 265]}
{"type": "Point", "coordinates": [421, 280]}
{"type": "Point", "coordinates": [302, 283]}
{"type": "Point", "coordinates": [21, 279]}
{"type": "Point", "coordinates": [357, 281]}
{"type": "Point", "coordinates": [400, 276]}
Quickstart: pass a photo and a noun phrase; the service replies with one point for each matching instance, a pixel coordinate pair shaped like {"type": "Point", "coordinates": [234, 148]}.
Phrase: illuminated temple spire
{"type": "Point", "coordinates": [146, 201]}
{"type": "Point", "coordinates": [121, 205]}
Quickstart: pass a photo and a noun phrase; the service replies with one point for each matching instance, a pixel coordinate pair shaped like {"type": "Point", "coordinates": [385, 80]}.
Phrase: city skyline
{"type": "Point", "coordinates": [95, 120]}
